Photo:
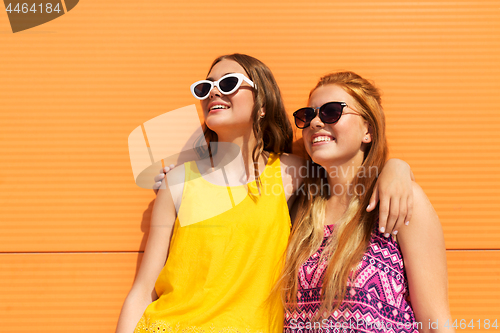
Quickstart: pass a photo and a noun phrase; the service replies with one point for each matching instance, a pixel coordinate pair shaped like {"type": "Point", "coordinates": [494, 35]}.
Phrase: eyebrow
{"type": "Point", "coordinates": [212, 79]}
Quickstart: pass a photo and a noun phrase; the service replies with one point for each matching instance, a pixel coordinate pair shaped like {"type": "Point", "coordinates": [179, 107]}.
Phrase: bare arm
{"type": "Point", "coordinates": [143, 292]}
{"type": "Point", "coordinates": [424, 254]}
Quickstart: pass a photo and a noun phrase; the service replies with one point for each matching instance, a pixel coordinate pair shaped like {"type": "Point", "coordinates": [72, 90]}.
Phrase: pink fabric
{"type": "Point", "coordinates": [376, 301]}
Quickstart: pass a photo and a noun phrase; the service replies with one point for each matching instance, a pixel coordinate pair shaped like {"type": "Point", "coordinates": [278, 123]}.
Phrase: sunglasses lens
{"type": "Point", "coordinates": [331, 112]}
{"type": "Point", "coordinates": [228, 84]}
{"type": "Point", "coordinates": [303, 117]}
{"type": "Point", "coordinates": [202, 89]}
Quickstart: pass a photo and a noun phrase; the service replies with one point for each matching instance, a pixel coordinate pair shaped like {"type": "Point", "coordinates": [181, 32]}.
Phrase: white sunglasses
{"type": "Point", "coordinates": [227, 85]}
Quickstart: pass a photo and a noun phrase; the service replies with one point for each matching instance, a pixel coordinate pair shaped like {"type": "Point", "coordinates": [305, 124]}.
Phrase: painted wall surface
{"type": "Point", "coordinates": [73, 222]}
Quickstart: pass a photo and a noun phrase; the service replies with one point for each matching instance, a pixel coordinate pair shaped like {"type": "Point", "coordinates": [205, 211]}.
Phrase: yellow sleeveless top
{"type": "Point", "coordinates": [220, 271]}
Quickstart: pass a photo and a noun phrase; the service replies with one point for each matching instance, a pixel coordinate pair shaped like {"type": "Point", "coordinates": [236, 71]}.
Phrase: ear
{"type": "Point", "coordinates": [262, 112]}
{"type": "Point", "coordinates": [367, 137]}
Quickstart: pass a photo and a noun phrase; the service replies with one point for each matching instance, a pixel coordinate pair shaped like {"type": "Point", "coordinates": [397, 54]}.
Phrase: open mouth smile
{"type": "Point", "coordinates": [322, 139]}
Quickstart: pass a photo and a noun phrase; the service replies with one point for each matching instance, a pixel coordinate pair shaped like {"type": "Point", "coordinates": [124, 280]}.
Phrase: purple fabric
{"type": "Point", "coordinates": [377, 300]}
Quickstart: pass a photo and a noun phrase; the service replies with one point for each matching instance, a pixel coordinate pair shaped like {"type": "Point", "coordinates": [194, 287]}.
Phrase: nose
{"type": "Point", "coordinates": [215, 92]}
{"type": "Point", "coordinates": [316, 122]}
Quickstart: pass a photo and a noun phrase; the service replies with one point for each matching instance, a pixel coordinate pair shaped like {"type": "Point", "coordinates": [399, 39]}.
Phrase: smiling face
{"type": "Point", "coordinates": [343, 142]}
{"type": "Point", "coordinates": [228, 112]}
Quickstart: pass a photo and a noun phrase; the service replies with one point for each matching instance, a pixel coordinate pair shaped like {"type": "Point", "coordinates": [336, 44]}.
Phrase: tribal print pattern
{"type": "Point", "coordinates": [376, 301]}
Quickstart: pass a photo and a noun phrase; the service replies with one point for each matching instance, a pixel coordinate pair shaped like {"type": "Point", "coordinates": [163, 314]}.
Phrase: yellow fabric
{"type": "Point", "coordinates": [197, 208]}
{"type": "Point", "coordinates": [220, 271]}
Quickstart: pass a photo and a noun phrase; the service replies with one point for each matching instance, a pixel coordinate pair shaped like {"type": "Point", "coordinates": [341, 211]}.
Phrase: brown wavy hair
{"type": "Point", "coordinates": [351, 237]}
{"type": "Point", "coordinates": [273, 132]}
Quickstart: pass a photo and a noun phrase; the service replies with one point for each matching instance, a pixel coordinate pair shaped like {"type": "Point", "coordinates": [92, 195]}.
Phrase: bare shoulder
{"type": "Point", "coordinates": [175, 182]}
{"type": "Point", "coordinates": [288, 160]}
{"type": "Point", "coordinates": [421, 203]}
{"type": "Point", "coordinates": [292, 166]}
{"type": "Point", "coordinates": [424, 219]}
{"type": "Point", "coordinates": [176, 175]}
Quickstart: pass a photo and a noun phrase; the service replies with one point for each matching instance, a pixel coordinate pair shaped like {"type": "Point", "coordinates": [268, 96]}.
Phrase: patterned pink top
{"type": "Point", "coordinates": [377, 300]}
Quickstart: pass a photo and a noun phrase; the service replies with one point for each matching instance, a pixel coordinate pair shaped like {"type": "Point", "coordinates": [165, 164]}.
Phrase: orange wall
{"type": "Point", "coordinates": [72, 220]}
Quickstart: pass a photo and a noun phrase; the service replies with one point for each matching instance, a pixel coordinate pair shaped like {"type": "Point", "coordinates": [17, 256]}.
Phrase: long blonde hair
{"type": "Point", "coordinates": [351, 236]}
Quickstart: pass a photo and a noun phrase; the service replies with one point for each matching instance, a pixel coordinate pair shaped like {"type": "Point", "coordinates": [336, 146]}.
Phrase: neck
{"type": "Point", "coordinates": [340, 178]}
{"type": "Point", "coordinates": [236, 144]}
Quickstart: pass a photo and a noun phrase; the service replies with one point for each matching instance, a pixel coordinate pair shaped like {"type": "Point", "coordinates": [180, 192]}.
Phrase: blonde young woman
{"type": "Point", "coordinates": [215, 272]}
{"type": "Point", "coordinates": [341, 274]}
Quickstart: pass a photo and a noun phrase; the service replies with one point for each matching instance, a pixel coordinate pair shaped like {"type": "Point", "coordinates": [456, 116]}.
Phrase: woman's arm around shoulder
{"type": "Point", "coordinates": [424, 255]}
{"type": "Point", "coordinates": [143, 292]}
{"type": "Point", "coordinates": [394, 189]}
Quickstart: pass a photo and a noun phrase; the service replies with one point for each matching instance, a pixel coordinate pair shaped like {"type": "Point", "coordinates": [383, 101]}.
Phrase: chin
{"type": "Point", "coordinates": [215, 123]}
{"type": "Point", "coordinates": [329, 157]}
{"type": "Point", "coordinates": [323, 159]}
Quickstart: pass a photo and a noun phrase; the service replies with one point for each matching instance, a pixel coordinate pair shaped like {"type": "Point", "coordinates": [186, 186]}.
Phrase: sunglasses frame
{"type": "Point", "coordinates": [318, 111]}
{"type": "Point", "coordinates": [213, 84]}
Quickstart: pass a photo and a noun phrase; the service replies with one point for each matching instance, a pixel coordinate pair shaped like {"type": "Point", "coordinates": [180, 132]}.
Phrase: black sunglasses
{"type": "Point", "coordinates": [329, 113]}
